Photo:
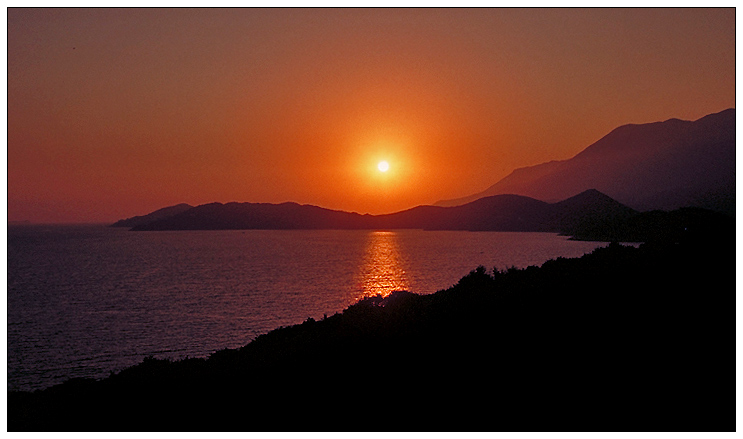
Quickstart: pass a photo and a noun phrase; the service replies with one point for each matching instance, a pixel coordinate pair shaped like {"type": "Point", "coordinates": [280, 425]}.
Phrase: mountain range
{"type": "Point", "coordinates": [496, 213]}
{"type": "Point", "coordinates": [656, 166]}
{"type": "Point", "coordinates": [590, 215]}
{"type": "Point", "coordinates": [661, 165]}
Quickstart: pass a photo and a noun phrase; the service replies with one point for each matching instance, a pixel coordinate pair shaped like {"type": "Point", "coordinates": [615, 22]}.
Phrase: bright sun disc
{"type": "Point", "coordinates": [383, 166]}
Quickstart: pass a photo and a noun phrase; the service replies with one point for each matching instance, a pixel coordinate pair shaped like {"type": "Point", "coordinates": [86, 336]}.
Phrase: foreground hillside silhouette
{"type": "Point", "coordinates": [622, 339]}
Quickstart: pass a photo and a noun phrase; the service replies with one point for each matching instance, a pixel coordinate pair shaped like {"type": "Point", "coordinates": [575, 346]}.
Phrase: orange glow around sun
{"type": "Point", "coordinates": [130, 125]}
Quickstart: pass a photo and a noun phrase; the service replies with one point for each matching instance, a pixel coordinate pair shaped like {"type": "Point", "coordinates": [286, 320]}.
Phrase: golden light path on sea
{"type": "Point", "coordinates": [382, 271]}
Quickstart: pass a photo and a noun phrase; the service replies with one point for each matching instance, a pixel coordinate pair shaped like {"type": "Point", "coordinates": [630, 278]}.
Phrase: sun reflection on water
{"type": "Point", "coordinates": [382, 271]}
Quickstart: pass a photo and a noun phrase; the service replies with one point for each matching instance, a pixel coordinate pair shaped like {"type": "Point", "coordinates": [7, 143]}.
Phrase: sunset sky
{"type": "Point", "coordinates": [117, 112]}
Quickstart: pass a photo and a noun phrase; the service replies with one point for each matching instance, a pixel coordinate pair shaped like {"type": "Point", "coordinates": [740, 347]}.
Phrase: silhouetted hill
{"type": "Point", "coordinates": [165, 212]}
{"type": "Point", "coordinates": [622, 339]}
{"type": "Point", "coordinates": [662, 165]}
{"type": "Point", "coordinates": [497, 213]}
{"type": "Point", "coordinates": [501, 213]}
{"type": "Point", "coordinates": [512, 213]}
{"type": "Point", "coordinates": [591, 210]}
{"type": "Point", "coordinates": [231, 216]}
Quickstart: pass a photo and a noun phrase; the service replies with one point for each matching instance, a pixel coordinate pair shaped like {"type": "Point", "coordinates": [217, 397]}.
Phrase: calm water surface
{"type": "Point", "coordinates": [84, 301]}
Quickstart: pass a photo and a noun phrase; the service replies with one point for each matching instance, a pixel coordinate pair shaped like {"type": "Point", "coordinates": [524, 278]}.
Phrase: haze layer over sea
{"type": "Point", "coordinates": [85, 301]}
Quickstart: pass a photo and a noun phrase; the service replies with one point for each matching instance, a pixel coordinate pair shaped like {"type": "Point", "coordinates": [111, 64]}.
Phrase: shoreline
{"type": "Point", "coordinates": [618, 321]}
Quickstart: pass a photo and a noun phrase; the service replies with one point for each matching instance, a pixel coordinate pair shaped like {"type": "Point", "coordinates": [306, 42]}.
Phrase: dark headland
{"type": "Point", "coordinates": [622, 339]}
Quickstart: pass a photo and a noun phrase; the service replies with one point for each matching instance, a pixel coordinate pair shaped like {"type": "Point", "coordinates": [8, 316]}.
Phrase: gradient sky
{"type": "Point", "coordinates": [117, 112]}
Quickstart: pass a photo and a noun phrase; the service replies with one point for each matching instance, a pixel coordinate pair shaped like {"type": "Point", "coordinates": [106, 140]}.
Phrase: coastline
{"type": "Point", "coordinates": [622, 339]}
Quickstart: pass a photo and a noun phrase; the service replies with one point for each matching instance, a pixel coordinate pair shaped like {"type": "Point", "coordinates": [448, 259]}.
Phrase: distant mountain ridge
{"type": "Point", "coordinates": [496, 213]}
{"type": "Point", "coordinates": [236, 216]}
{"type": "Point", "coordinates": [661, 165]}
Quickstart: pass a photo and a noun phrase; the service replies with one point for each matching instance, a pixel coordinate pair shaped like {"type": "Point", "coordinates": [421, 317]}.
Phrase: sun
{"type": "Point", "coordinates": [383, 166]}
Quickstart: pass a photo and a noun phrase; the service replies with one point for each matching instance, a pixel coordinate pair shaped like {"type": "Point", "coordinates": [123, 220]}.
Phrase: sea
{"type": "Point", "coordinates": [91, 300]}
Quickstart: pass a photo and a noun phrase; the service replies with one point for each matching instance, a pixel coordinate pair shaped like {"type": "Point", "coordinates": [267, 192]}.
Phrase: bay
{"type": "Point", "coordinates": [86, 301]}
